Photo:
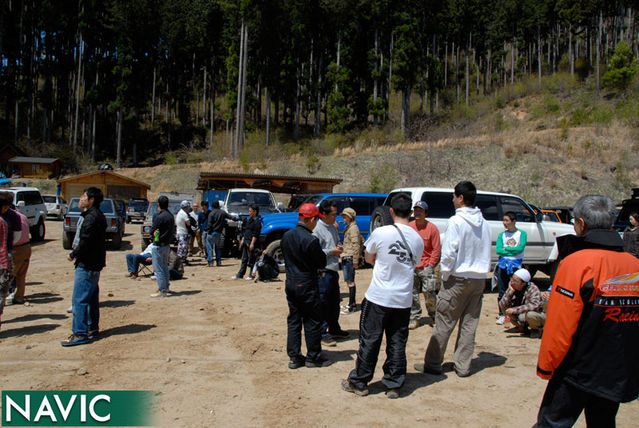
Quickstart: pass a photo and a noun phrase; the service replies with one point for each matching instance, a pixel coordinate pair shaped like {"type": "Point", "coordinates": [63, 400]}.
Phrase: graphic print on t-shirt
{"type": "Point", "coordinates": [400, 252]}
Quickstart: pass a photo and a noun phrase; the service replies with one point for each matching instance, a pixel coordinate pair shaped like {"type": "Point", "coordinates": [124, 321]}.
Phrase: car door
{"type": "Point", "coordinates": [526, 220]}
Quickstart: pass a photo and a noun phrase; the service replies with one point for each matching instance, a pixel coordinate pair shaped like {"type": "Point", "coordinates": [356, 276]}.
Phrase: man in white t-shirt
{"type": "Point", "coordinates": [394, 251]}
{"type": "Point", "coordinates": [182, 227]}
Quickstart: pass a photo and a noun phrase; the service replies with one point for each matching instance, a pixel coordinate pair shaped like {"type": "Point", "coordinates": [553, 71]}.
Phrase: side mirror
{"type": "Point", "coordinates": [20, 204]}
{"type": "Point", "coordinates": [221, 204]}
{"type": "Point", "coordinates": [280, 206]}
{"type": "Point", "coordinates": [545, 218]}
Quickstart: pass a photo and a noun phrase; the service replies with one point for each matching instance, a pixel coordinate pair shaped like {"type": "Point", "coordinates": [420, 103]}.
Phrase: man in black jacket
{"type": "Point", "coordinates": [215, 226]}
{"type": "Point", "coordinates": [250, 233]}
{"type": "Point", "coordinates": [304, 256]}
{"type": "Point", "coordinates": [163, 230]}
{"type": "Point", "coordinates": [89, 257]}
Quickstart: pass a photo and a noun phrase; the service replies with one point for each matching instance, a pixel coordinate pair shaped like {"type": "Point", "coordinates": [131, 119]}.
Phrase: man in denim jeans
{"type": "Point", "coordinates": [162, 232]}
{"type": "Point", "coordinates": [89, 257]}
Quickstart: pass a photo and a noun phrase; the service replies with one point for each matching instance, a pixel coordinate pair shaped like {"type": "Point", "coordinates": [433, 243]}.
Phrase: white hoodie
{"type": "Point", "coordinates": [466, 245]}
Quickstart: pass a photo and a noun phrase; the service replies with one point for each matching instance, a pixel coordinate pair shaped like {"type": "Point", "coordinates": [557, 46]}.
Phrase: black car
{"type": "Point", "coordinates": [628, 206]}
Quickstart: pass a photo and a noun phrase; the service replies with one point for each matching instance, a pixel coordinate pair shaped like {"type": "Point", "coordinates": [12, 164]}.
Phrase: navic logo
{"type": "Point", "coordinates": [74, 408]}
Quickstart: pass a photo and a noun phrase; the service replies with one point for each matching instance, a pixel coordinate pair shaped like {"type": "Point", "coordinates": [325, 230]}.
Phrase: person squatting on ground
{"type": "Point", "coordinates": [89, 257]}
{"type": "Point", "coordinates": [21, 258]}
{"type": "Point", "coordinates": [248, 244]}
{"type": "Point", "coordinates": [202, 224]}
{"type": "Point", "coordinates": [183, 230]}
{"type": "Point", "coordinates": [326, 233]}
{"type": "Point", "coordinates": [522, 303]}
{"type": "Point", "coordinates": [465, 262]}
{"type": "Point", "coordinates": [304, 258]}
{"type": "Point", "coordinates": [350, 257]}
{"type": "Point", "coordinates": [590, 347]}
{"type": "Point", "coordinates": [510, 249]}
{"type": "Point", "coordinates": [133, 261]}
{"type": "Point", "coordinates": [215, 226]}
{"type": "Point", "coordinates": [426, 280]}
{"type": "Point", "coordinates": [631, 235]}
{"type": "Point", "coordinates": [394, 251]}
{"type": "Point", "coordinates": [6, 262]}
{"type": "Point", "coordinates": [162, 231]}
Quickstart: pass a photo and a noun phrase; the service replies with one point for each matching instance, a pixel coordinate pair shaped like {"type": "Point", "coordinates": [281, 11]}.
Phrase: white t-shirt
{"type": "Point", "coordinates": [180, 222]}
{"type": "Point", "coordinates": [392, 282]}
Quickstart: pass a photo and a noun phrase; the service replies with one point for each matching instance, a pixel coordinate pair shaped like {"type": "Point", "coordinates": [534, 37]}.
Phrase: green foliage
{"type": "Point", "coordinates": [313, 164]}
{"type": "Point", "coordinates": [384, 179]}
{"type": "Point", "coordinates": [622, 68]}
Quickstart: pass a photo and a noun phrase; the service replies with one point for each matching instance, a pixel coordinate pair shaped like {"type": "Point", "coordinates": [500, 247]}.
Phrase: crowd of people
{"type": "Point", "coordinates": [587, 320]}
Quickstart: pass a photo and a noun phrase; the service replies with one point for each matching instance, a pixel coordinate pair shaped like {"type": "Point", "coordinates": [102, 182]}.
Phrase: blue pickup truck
{"type": "Point", "coordinates": [275, 225]}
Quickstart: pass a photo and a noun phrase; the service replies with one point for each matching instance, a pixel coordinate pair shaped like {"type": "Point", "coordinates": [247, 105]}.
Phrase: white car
{"type": "Point", "coordinates": [29, 202]}
{"type": "Point", "coordinates": [541, 234]}
{"type": "Point", "coordinates": [56, 206]}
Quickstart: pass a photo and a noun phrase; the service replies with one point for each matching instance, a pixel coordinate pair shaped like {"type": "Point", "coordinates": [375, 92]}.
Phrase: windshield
{"type": "Point", "coordinates": [106, 207]}
{"type": "Point", "coordinates": [174, 207]}
{"type": "Point", "coordinates": [139, 204]}
{"type": "Point", "coordinates": [313, 199]}
{"type": "Point", "coordinates": [244, 199]}
{"type": "Point", "coordinates": [49, 199]}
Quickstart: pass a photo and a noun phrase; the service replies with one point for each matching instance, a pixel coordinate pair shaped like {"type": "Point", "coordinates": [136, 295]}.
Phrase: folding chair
{"type": "Point", "coordinates": [145, 269]}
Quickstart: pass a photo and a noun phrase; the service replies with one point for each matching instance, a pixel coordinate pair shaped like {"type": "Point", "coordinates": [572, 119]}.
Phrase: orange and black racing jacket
{"type": "Point", "coordinates": [591, 336]}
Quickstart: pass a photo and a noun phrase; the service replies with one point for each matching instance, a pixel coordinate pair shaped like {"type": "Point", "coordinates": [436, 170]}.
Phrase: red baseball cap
{"type": "Point", "coordinates": [308, 210]}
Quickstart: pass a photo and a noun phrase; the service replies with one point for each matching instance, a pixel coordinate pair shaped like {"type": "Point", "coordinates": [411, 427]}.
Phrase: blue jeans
{"type": "Point", "coordinates": [348, 269]}
{"type": "Point", "coordinates": [329, 300]}
{"type": "Point", "coordinates": [133, 261]}
{"type": "Point", "coordinates": [86, 301]}
{"type": "Point", "coordinates": [160, 256]}
{"type": "Point", "coordinates": [213, 241]}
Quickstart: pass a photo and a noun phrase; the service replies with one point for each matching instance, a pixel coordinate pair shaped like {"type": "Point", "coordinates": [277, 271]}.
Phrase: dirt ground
{"type": "Point", "coordinates": [215, 354]}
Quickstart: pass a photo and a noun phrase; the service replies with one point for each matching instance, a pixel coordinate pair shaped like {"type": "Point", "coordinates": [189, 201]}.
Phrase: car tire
{"type": "Point", "coordinates": [38, 231]}
{"type": "Point", "coordinates": [67, 240]}
{"type": "Point", "coordinates": [275, 251]}
{"type": "Point", "coordinates": [381, 217]}
{"type": "Point", "coordinates": [116, 241]}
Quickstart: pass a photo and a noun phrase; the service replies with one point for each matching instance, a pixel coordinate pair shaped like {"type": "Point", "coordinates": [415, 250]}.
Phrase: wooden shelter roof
{"type": "Point", "coordinates": [273, 183]}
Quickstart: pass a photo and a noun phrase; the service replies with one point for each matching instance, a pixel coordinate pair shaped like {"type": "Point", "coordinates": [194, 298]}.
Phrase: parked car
{"type": "Point", "coordinates": [628, 206]}
{"type": "Point", "coordinates": [541, 234]}
{"type": "Point", "coordinates": [151, 212]}
{"type": "Point", "coordinates": [114, 219]}
{"type": "Point", "coordinates": [564, 212]}
{"type": "Point", "coordinates": [30, 203]}
{"type": "Point", "coordinates": [551, 215]}
{"type": "Point", "coordinates": [56, 206]}
{"type": "Point", "coordinates": [275, 225]}
{"type": "Point", "coordinates": [136, 209]}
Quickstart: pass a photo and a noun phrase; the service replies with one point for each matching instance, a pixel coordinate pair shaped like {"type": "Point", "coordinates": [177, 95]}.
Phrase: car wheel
{"type": "Point", "coordinates": [38, 232]}
{"type": "Point", "coordinates": [116, 241]}
{"type": "Point", "coordinates": [67, 240]}
{"type": "Point", "coordinates": [275, 250]}
{"type": "Point", "coordinates": [381, 217]}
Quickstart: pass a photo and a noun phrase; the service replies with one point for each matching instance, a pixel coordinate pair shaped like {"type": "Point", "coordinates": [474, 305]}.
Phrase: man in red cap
{"type": "Point", "coordinates": [303, 256]}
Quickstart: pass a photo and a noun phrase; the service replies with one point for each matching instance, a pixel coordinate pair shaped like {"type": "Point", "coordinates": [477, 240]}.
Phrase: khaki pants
{"type": "Point", "coordinates": [460, 300]}
{"type": "Point", "coordinates": [425, 281]}
{"type": "Point", "coordinates": [21, 256]}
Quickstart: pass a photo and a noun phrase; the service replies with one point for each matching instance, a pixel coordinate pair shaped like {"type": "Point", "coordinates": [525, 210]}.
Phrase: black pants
{"type": "Point", "coordinates": [375, 320]}
{"type": "Point", "coordinates": [248, 259]}
{"type": "Point", "coordinates": [329, 296]}
{"type": "Point", "coordinates": [303, 308]}
{"type": "Point", "coordinates": [503, 279]}
{"type": "Point", "coordinates": [563, 403]}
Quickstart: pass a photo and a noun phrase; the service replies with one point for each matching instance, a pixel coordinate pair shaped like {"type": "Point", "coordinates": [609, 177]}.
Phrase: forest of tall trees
{"type": "Point", "coordinates": [124, 78]}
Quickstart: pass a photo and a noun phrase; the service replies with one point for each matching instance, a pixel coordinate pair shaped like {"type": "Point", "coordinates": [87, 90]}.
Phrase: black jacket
{"type": "Point", "coordinates": [251, 229]}
{"type": "Point", "coordinates": [90, 253]}
{"type": "Point", "coordinates": [217, 220]}
{"type": "Point", "coordinates": [165, 223]}
{"type": "Point", "coordinates": [303, 256]}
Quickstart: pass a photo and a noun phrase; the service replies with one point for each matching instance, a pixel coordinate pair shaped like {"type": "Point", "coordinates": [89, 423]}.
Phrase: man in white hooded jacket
{"type": "Point", "coordinates": [465, 261]}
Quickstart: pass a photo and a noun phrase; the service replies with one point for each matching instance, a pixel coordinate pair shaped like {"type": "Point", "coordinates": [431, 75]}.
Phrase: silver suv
{"type": "Point", "coordinates": [29, 202]}
{"type": "Point", "coordinates": [114, 219]}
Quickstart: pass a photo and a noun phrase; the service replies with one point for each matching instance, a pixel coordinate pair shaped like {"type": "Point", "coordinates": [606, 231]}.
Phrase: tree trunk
{"type": "Point", "coordinates": [118, 155]}
{"type": "Point", "coordinates": [241, 130]}
{"type": "Point", "coordinates": [318, 101]}
{"type": "Point", "coordinates": [77, 99]}
{"type": "Point", "coordinates": [538, 56]}
{"type": "Point", "coordinates": [598, 48]}
{"type": "Point", "coordinates": [512, 62]}
{"type": "Point", "coordinates": [298, 92]}
{"type": "Point", "coordinates": [236, 141]}
{"type": "Point", "coordinates": [467, 77]}
{"type": "Point", "coordinates": [153, 98]}
{"type": "Point", "coordinates": [204, 98]}
{"type": "Point", "coordinates": [405, 111]}
{"type": "Point", "coordinates": [376, 80]}
{"type": "Point", "coordinates": [268, 116]}
{"type": "Point", "coordinates": [570, 52]}
{"type": "Point", "coordinates": [390, 78]}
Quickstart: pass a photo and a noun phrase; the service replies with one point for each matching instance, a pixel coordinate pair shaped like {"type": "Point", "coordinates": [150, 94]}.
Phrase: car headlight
{"type": "Point", "coordinates": [146, 229]}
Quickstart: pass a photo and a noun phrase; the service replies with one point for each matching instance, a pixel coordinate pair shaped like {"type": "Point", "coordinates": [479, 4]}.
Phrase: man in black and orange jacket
{"type": "Point", "coordinates": [590, 345]}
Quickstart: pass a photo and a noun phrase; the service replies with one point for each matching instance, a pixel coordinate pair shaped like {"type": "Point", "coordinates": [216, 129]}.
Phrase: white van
{"type": "Point", "coordinates": [30, 203]}
{"type": "Point", "coordinates": [541, 234]}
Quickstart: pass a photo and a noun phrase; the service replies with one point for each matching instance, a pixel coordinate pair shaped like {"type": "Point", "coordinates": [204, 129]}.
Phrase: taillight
{"type": "Point", "coordinates": [67, 221]}
{"type": "Point", "coordinates": [114, 222]}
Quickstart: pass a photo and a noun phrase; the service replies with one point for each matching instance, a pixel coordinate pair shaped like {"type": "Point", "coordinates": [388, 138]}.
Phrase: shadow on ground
{"type": "Point", "coordinates": [33, 317]}
{"type": "Point", "coordinates": [126, 329]}
{"type": "Point", "coordinates": [116, 303]}
{"type": "Point", "coordinates": [40, 298]}
{"type": "Point", "coordinates": [27, 331]}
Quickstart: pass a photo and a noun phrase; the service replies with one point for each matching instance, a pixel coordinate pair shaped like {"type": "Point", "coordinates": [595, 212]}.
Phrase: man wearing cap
{"type": "Point", "coordinates": [183, 226]}
{"type": "Point", "coordinates": [523, 304]}
{"type": "Point", "coordinates": [350, 257]}
{"type": "Point", "coordinates": [326, 233]}
{"type": "Point", "coordinates": [425, 279]}
{"type": "Point", "coordinates": [304, 257]}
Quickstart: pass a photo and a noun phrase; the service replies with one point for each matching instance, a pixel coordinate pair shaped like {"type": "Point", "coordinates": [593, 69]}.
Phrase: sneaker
{"type": "Point", "coordinates": [413, 324]}
{"type": "Point", "coordinates": [235, 277]}
{"type": "Point", "coordinates": [318, 363]}
{"type": "Point", "coordinates": [422, 368]}
{"type": "Point", "coordinates": [93, 335]}
{"type": "Point", "coordinates": [536, 334]}
{"type": "Point", "coordinates": [18, 301]}
{"type": "Point", "coordinates": [70, 309]}
{"type": "Point", "coordinates": [249, 278]}
{"type": "Point", "coordinates": [501, 320]}
{"type": "Point", "coordinates": [348, 386]}
{"type": "Point", "coordinates": [341, 334]}
{"type": "Point", "coordinates": [159, 294]}
{"type": "Point", "coordinates": [152, 277]}
{"type": "Point", "coordinates": [328, 341]}
{"type": "Point", "coordinates": [296, 363]}
{"type": "Point", "coordinates": [74, 340]}
{"type": "Point", "coordinates": [393, 393]}
{"type": "Point", "coordinates": [131, 275]}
